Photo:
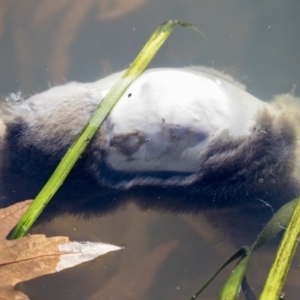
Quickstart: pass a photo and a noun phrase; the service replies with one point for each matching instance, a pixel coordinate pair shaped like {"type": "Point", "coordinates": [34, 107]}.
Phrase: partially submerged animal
{"type": "Point", "coordinates": [192, 131]}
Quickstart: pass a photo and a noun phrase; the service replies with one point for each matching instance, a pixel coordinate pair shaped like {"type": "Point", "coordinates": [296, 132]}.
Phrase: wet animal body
{"type": "Point", "coordinates": [193, 132]}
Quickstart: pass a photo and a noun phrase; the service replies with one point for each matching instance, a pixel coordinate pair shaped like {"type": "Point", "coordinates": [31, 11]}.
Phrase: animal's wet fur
{"type": "Point", "coordinates": [235, 171]}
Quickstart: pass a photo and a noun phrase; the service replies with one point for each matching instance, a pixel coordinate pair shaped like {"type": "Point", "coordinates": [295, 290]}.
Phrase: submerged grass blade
{"type": "Point", "coordinates": [284, 256]}
{"type": "Point", "coordinates": [68, 161]}
{"type": "Point", "coordinates": [240, 253]}
{"type": "Point", "coordinates": [279, 221]}
{"type": "Point", "coordinates": [232, 287]}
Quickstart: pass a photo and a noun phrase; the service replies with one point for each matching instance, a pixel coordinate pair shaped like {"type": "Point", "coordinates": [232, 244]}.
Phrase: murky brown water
{"type": "Point", "coordinates": [48, 42]}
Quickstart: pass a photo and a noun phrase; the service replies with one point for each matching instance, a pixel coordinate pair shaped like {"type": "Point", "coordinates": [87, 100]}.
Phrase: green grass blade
{"type": "Point", "coordinates": [284, 256]}
{"type": "Point", "coordinates": [232, 287]}
{"type": "Point", "coordinates": [240, 253]}
{"type": "Point", "coordinates": [68, 161]}
{"type": "Point", "coordinates": [280, 220]}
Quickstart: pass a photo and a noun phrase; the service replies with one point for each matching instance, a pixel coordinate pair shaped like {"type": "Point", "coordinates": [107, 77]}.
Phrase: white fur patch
{"type": "Point", "coordinates": [179, 111]}
{"type": "Point", "coordinates": [165, 120]}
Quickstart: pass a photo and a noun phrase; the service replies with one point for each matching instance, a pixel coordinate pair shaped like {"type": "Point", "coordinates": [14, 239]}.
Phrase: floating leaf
{"type": "Point", "coordinates": [36, 255]}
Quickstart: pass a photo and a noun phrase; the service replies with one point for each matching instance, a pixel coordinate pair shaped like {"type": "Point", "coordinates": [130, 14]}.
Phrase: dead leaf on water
{"type": "Point", "coordinates": [36, 255]}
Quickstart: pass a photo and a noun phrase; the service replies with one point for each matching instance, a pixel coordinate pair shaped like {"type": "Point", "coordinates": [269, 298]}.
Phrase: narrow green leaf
{"type": "Point", "coordinates": [284, 256]}
{"type": "Point", "coordinates": [240, 253]}
{"type": "Point", "coordinates": [232, 287]}
{"type": "Point", "coordinates": [68, 161]}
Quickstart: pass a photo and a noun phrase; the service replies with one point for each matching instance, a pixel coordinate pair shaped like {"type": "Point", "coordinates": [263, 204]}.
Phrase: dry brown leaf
{"type": "Point", "coordinates": [36, 255]}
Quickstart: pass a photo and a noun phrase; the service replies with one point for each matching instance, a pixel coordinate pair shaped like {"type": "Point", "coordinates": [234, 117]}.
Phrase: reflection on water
{"type": "Point", "coordinates": [164, 257]}
{"type": "Point", "coordinates": [50, 42]}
